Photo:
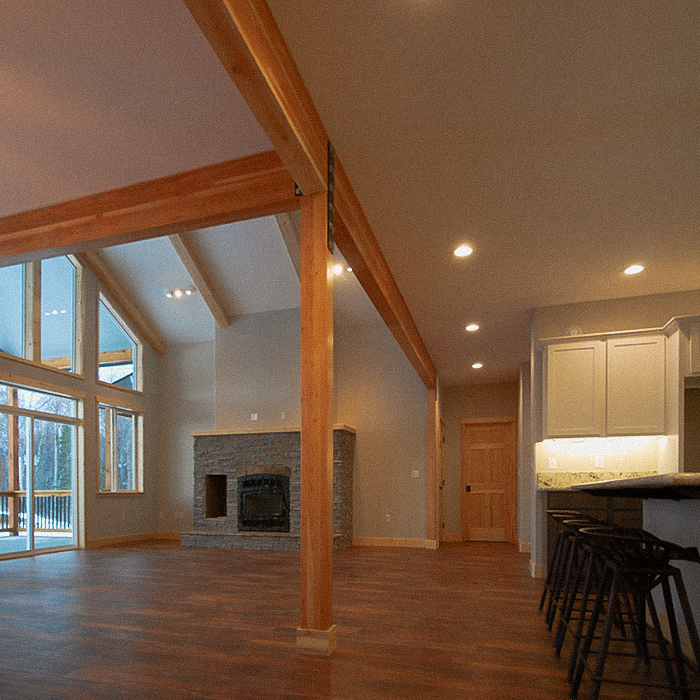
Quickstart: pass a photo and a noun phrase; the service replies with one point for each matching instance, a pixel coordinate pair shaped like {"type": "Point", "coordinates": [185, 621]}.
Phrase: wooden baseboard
{"type": "Point", "coordinates": [132, 539]}
{"type": "Point", "coordinates": [394, 542]}
{"type": "Point", "coordinates": [450, 537]}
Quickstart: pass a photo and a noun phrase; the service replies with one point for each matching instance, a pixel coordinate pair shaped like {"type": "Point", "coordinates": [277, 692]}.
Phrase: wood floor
{"type": "Point", "coordinates": [160, 622]}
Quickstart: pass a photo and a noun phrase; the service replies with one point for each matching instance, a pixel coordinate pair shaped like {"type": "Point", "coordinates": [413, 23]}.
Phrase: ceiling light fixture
{"type": "Point", "coordinates": [337, 269]}
{"type": "Point", "coordinates": [472, 327]}
{"type": "Point", "coordinates": [634, 269]}
{"type": "Point", "coordinates": [463, 251]}
{"type": "Point", "coordinates": [180, 292]}
{"type": "Point", "coordinates": [477, 365]}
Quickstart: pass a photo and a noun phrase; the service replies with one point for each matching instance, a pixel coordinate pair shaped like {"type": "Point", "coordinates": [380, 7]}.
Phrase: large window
{"type": "Point", "coordinates": [119, 350]}
{"type": "Point", "coordinates": [120, 449]}
{"type": "Point", "coordinates": [39, 318]}
{"type": "Point", "coordinates": [38, 463]}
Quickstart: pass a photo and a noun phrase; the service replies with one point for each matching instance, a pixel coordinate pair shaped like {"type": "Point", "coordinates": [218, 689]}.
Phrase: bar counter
{"type": "Point", "coordinates": [675, 486]}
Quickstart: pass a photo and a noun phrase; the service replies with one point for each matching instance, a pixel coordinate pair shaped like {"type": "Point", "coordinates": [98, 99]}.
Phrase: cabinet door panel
{"type": "Point", "coordinates": [575, 391]}
{"type": "Point", "coordinates": [636, 386]}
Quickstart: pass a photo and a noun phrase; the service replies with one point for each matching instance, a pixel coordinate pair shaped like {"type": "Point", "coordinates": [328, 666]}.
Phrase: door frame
{"type": "Point", "coordinates": [511, 491]}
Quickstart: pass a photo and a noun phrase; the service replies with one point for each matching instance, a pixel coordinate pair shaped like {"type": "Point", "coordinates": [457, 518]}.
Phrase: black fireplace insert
{"type": "Point", "coordinates": [263, 503]}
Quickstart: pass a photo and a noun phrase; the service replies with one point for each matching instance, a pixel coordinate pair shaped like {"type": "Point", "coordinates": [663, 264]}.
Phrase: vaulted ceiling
{"type": "Point", "coordinates": [560, 140]}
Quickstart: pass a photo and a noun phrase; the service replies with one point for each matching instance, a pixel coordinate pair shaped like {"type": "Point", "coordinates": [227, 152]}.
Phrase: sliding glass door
{"type": "Point", "coordinates": [37, 469]}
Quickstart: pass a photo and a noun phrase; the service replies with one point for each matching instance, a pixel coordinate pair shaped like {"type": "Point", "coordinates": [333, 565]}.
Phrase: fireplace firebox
{"type": "Point", "coordinates": [263, 503]}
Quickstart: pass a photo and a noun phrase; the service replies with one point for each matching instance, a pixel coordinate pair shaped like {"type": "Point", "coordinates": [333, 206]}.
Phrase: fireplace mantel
{"type": "Point", "coordinates": [222, 456]}
{"type": "Point", "coordinates": [264, 431]}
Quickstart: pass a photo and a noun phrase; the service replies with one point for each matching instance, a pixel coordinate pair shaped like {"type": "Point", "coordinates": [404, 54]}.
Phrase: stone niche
{"type": "Point", "coordinates": [223, 460]}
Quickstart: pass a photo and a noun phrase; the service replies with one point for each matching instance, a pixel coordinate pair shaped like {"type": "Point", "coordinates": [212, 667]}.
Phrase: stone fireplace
{"type": "Point", "coordinates": [247, 490]}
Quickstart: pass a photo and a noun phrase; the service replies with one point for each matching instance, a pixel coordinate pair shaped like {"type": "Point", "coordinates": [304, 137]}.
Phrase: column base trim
{"type": "Point", "coordinates": [317, 642]}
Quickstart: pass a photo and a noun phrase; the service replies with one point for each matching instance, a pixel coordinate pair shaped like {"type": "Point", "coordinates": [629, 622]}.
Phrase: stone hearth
{"type": "Point", "coordinates": [220, 459]}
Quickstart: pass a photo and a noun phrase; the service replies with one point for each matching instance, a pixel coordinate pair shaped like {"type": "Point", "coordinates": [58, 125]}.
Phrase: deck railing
{"type": "Point", "coordinates": [52, 511]}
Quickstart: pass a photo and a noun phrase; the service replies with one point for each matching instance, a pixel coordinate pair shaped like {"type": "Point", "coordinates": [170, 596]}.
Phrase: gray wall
{"type": "Point", "coordinates": [187, 403]}
{"type": "Point", "coordinates": [379, 393]}
{"type": "Point", "coordinates": [255, 368]}
{"type": "Point", "coordinates": [458, 403]}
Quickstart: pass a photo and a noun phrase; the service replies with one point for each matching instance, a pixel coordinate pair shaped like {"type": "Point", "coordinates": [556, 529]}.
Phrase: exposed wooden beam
{"type": "Point", "coordinates": [201, 279]}
{"type": "Point", "coordinates": [292, 238]}
{"type": "Point", "coordinates": [251, 48]}
{"type": "Point", "coordinates": [240, 189]}
{"type": "Point", "coordinates": [357, 243]}
{"type": "Point", "coordinates": [129, 307]}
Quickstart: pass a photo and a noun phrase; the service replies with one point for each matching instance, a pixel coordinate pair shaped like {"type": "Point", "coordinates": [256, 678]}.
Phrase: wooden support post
{"type": "Point", "coordinates": [317, 634]}
{"type": "Point", "coordinates": [13, 466]}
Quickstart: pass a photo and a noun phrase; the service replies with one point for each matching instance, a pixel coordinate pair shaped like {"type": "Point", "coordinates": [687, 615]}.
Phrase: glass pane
{"type": "Point", "coordinates": [12, 295]}
{"type": "Point", "coordinates": [117, 352]}
{"type": "Point", "coordinates": [125, 452]}
{"type": "Point", "coordinates": [46, 403]}
{"type": "Point", "coordinates": [105, 480]}
{"type": "Point", "coordinates": [53, 475]}
{"type": "Point", "coordinates": [57, 313]}
{"type": "Point", "coordinates": [4, 394]}
{"type": "Point", "coordinates": [13, 508]}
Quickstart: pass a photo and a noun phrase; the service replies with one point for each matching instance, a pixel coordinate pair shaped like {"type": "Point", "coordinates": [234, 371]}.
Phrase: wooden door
{"type": "Point", "coordinates": [488, 480]}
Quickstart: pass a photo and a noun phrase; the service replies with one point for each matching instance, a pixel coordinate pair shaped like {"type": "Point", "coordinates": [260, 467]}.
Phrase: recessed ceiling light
{"type": "Point", "coordinates": [634, 269]}
{"type": "Point", "coordinates": [337, 269]}
{"type": "Point", "coordinates": [180, 292]}
{"type": "Point", "coordinates": [477, 365]}
{"type": "Point", "coordinates": [463, 251]}
{"type": "Point", "coordinates": [472, 327]}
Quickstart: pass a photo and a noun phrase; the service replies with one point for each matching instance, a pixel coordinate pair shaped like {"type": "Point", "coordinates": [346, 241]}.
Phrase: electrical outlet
{"type": "Point", "coordinates": [598, 462]}
{"type": "Point", "coordinates": [283, 415]}
{"type": "Point", "coordinates": [552, 462]}
{"type": "Point", "coordinates": [388, 518]}
{"type": "Point", "coordinates": [415, 473]}
{"type": "Point", "coordinates": [253, 416]}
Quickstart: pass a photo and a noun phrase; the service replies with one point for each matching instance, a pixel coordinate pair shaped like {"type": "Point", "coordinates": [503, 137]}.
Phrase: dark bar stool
{"type": "Point", "coordinates": [567, 553]}
{"type": "Point", "coordinates": [634, 564]}
{"type": "Point", "coordinates": [557, 516]}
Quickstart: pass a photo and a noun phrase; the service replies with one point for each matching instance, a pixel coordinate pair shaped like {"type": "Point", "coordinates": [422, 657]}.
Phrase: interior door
{"type": "Point", "coordinates": [488, 480]}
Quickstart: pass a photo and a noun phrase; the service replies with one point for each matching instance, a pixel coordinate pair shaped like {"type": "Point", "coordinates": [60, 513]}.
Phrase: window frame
{"type": "Point", "coordinates": [115, 408]}
{"type": "Point", "coordinates": [103, 298]}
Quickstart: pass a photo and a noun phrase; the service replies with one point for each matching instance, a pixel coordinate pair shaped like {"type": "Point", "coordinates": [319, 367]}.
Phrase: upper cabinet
{"type": "Point", "coordinates": [605, 387]}
{"type": "Point", "coordinates": [574, 389]}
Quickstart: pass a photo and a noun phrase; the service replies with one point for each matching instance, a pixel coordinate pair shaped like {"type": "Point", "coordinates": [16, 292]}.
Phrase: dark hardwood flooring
{"type": "Point", "coordinates": [154, 622]}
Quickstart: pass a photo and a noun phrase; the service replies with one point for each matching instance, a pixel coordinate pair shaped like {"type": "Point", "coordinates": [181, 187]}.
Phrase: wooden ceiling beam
{"type": "Point", "coordinates": [126, 303]}
{"type": "Point", "coordinates": [250, 46]}
{"type": "Point", "coordinates": [357, 243]}
{"type": "Point", "coordinates": [201, 278]}
{"type": "Point", "coordinates": [236, 190]}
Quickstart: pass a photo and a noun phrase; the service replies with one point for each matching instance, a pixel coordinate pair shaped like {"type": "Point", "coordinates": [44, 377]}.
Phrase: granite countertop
{"type": "Point", "coordinates": [563, 481]}
{"type": "Point", "coordinates": [673, 486]}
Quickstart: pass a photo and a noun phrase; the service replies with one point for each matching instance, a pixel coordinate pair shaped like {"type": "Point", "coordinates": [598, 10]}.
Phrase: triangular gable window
{"type": "Point", "coordinates": [119, 350]}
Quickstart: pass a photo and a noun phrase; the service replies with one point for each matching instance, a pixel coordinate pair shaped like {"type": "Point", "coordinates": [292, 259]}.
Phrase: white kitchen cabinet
{"type": "Point", "coordinates": [636, 386]}
{"type": "Point", "coordinates": [575, 389]}
{"type": "Point", "coordinates": [596, 388]}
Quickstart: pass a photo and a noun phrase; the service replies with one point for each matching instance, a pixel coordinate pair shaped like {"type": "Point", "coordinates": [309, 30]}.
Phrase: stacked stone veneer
{"type": "Point", "coordinates": [235, 455]}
